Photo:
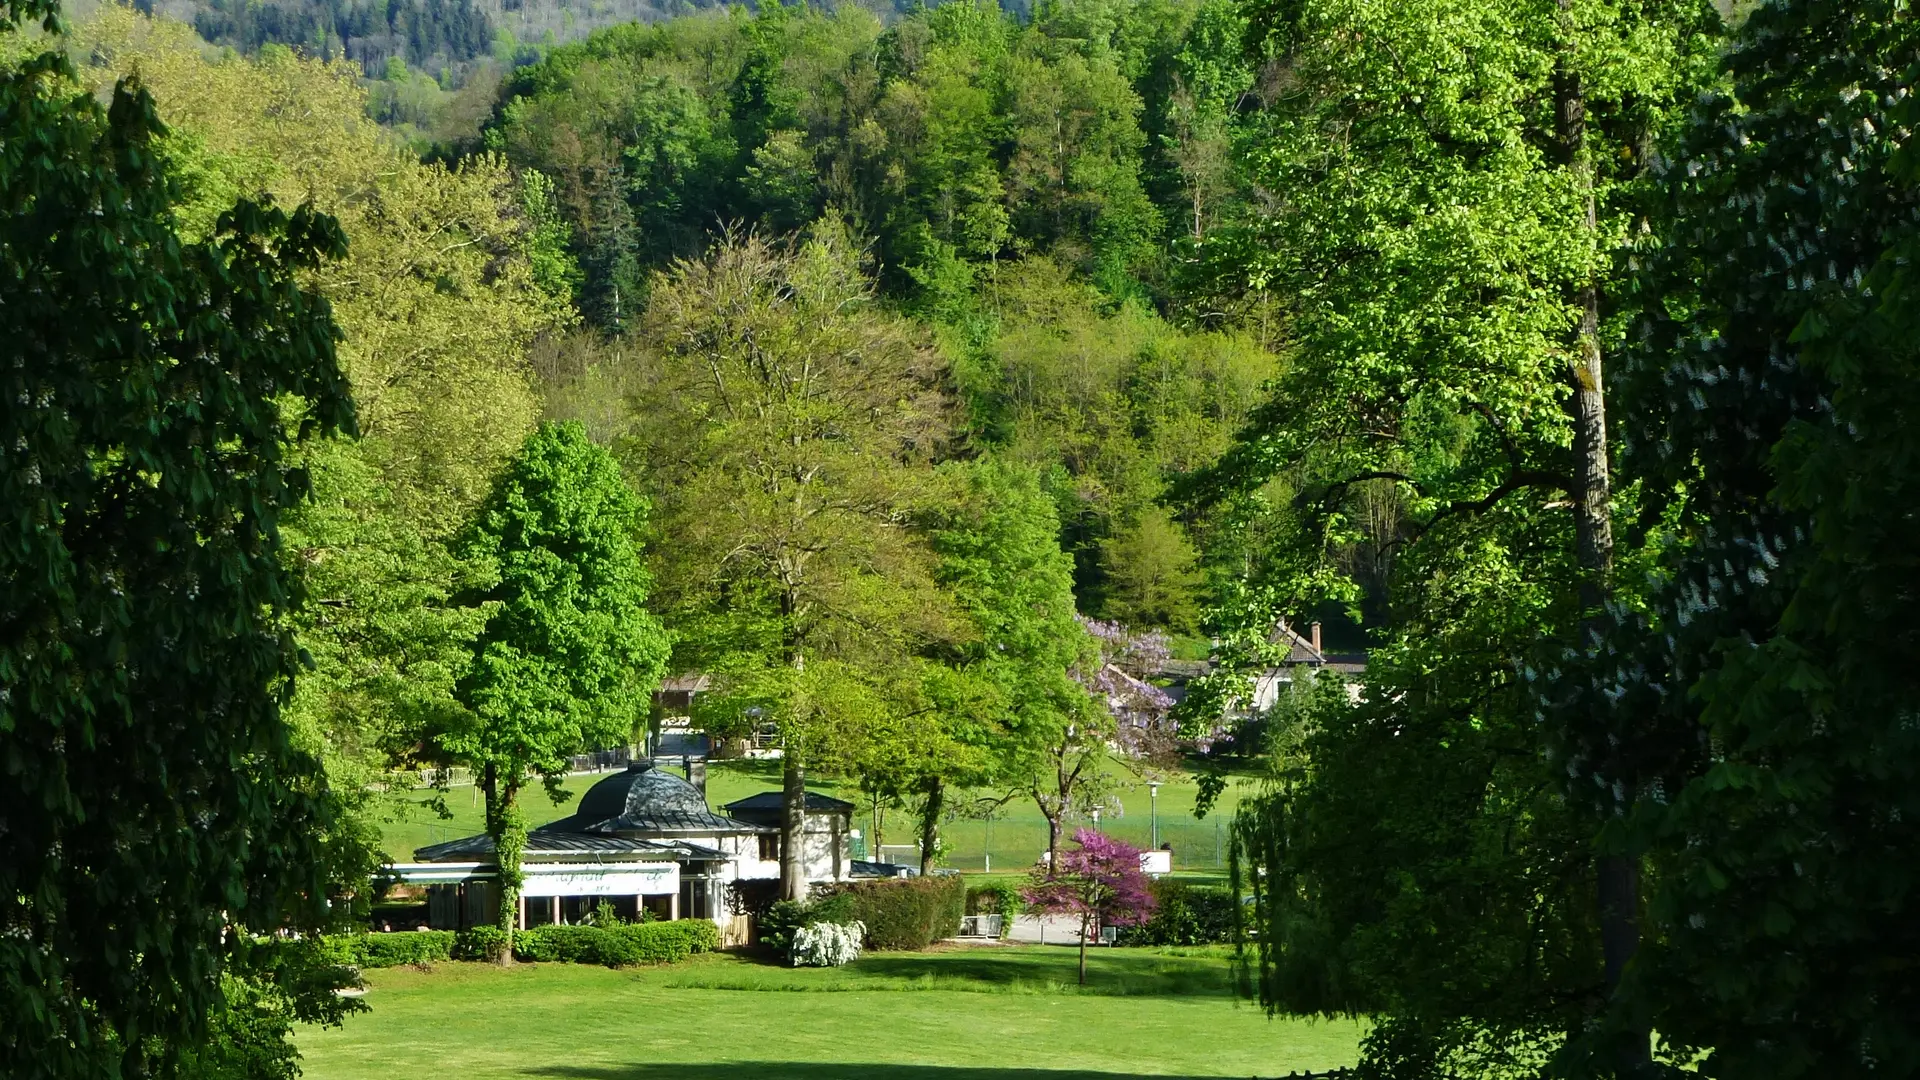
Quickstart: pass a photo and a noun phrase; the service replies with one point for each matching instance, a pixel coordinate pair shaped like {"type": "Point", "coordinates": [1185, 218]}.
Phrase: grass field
{"type": "Point", "coordinates": [1014, 838]}
{"type": "Point", "coordinates": [981, 1013]}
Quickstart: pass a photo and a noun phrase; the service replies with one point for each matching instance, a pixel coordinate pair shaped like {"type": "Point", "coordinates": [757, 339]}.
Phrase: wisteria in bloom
{"type": "Point", "coordinates": [1118, 677]}
{"type": "Point", "coordinates": [1145, 729]}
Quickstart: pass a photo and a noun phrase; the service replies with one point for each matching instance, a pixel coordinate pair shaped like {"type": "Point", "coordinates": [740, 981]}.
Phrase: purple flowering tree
{"type": "Point", "coordinates": [1100, 881]}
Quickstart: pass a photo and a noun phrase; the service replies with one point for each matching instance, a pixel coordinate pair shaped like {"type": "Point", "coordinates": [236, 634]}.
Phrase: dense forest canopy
{"type": "Point", "coordinates": [955, 138]}
{"type": "Point", "coordinates": [448, 30]}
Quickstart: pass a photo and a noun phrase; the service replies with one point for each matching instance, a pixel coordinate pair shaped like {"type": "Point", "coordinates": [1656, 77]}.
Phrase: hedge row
{"type": "Point", "coordinates": [617, 946]}
{"type": "Point", "coordinates": [389, 950]}
{"type": "Point", "coordinates": [642, 943]}
{"type": "Point", "coordinates": [997, 897]}
{"type": "Point", "coordinates": [1184, 915]}
{"type": "Point", "coordinates": [899, 913]}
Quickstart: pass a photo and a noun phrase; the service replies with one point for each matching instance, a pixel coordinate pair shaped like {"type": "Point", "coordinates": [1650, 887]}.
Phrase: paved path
{"type": "Point", "coordinates": [1048, 929]}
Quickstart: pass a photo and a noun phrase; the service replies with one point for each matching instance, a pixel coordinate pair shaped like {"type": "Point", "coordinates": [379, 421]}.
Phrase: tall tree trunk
{"type": "Point", "coordinates": [1053, 836]}
{"type": "Point", "coordinates": [509, 841]}
{"type": "Point", "coordinates": [1086, 931]}
{"type": "Point", "coordinates": [793, 827]}
{"type": "Point", "coordinates": [930, 822]}
{"type": "Point", "coordinates": [1618, 874]}
{"type": "Point", "coordinates": [793, 779]}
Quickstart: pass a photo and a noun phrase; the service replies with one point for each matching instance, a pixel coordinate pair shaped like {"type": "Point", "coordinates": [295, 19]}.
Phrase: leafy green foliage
{"type": "Point", "coordinates": [390, 950]}
{"type": "Point", "coordinates": [270, 985]}
{"type": "Point", "coordinates": [569, 654]}
{"type": "Point", "coordinates": [1381, 823]}
{"type": "Point", "coordinates": [1001, 897]}
{"type": "Point", "coordinates": [1108, 407]}
{"type": "Point", "coordinates": [479, 943]}
{"type": "Point", "coordinates": [776, 925]}
{"type": "Point", "coordinates": [1769, 685]}
{"type": "Point", "coordinates": [1458, 177]}
{"type": "Point", "coordinates": [1001, 690]}
{"type": "Point", "coordinates": [782, 427]}
{"type": "Point", "coordinates": [613, 946]}
{"type": "Point", "coordinates": [1185, 914]}
{"type": "Point", "coordinates": [955, 136]}
{"type": "Point", "coordinates": [155, 802]}
{"type": "Point", "coordinates": [445, 284]}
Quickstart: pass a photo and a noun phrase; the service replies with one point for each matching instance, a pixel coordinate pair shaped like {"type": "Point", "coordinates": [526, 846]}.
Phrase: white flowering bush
{"type": "Point", "coordinates": [827, 944]}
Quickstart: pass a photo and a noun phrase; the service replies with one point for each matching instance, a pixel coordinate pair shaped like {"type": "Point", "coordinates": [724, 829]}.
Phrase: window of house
{"type": "Point", "coordinates": [770, 847]}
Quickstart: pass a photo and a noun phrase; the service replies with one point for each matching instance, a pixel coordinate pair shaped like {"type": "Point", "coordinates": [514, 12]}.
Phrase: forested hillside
{"type": "Point", "coordinates": [1034, 191]}
{"type": "Point", "coordinates": [1098, 135]}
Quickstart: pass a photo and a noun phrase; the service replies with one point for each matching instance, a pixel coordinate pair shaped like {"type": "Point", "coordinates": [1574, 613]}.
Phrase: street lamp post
{"type": "Point", "coordinates": [1153, 800]}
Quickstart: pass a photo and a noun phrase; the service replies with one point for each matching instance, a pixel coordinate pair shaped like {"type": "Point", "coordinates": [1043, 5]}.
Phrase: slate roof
{"type": "Point", "coordinates": [642, 809]}
{"type": "Point", "coordinates": [774, 801]}
{"type": "Point", "coordinates": [541, 841]}
{"type": "Point", "coordinates": [645, 799]}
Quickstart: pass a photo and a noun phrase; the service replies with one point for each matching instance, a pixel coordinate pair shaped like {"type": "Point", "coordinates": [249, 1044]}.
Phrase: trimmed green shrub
{"type": "Point", "coordinates": [479, 943]}
{"type": "Point", "coordinates": [617, 946]}
{"type": "Point", "coordinates": [559, 944]}
{"type": "Point", "coordinates": [905, 913]}
{"type": "Point", "coordinates": [388, 950]}
{"type": "Point", "coordinates": [408, 947]}
{"type": "Point", "coordinates": [1184, 915]}
{"type": "Point", "coordinates": [778, 923]}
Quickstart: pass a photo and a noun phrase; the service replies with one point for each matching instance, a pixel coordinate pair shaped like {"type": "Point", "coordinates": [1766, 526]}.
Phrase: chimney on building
{"type": "Point", "coordinates": [697, 773]}
{"type": "Point", "coordinates": [1316, 637]}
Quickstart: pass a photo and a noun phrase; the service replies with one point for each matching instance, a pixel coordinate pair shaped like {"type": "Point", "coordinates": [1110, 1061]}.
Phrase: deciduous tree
{"type": "Point", "coordinates": [1768, 685]}
{"type": "Point", "coordinates": [1459, 182]}
{"type": "Point", "coordinates": [569, 654]}
{"type": "Point", "coordinates": [783, 428]}
{"type": "Point", "coordinates": [1003, 686]}
{"type": "Point", "coordinates": [156, 386]}
{"type": "Point", "coordinates": [1100, 881]}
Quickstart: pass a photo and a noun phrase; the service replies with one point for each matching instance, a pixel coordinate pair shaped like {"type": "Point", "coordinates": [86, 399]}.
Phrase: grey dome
{"type": "Point", "coordinates": [645, 800]}
{"type": "Point", "coordinates": [639, 790]}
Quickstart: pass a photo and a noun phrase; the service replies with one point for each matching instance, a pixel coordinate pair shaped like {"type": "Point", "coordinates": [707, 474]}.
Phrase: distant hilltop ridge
{"type": "Point", "coordinates": [425, 34]}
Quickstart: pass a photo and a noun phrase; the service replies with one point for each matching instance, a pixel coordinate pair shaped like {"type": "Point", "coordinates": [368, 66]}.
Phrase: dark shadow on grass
{"type": "Point", "coordinates": [1109, 972]}
{"type": "Point", "coordinates": [809, 1070]}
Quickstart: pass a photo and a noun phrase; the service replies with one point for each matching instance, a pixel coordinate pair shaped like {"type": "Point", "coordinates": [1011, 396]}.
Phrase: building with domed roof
{"type": "Point", "coordinates": [640, 838]}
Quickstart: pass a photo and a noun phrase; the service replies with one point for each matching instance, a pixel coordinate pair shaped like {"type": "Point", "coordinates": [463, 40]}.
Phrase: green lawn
{"type": "Point", "coordinates": [972, 1014]}
{"type": "Point", "coordinates": [1018, 832]}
